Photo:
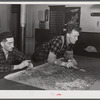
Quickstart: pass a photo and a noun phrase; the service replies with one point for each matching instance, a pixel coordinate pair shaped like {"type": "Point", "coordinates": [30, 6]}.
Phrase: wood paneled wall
{"type": "Point", "coordinates": [5, 13]}
{"type": "Point", "coordinates": [30, 30]}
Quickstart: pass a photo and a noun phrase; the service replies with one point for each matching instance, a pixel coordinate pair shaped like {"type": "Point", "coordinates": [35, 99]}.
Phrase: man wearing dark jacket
{"type": "Point", "coordinates": [11, 58]}
{"type": "Point", "coordinates": [59, 46]}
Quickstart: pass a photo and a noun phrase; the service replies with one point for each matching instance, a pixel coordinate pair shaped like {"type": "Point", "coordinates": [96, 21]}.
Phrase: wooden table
{"type": "Point", "coordinates": [6, 84]}
{"type": "Point", "coordinates": [56, 77]}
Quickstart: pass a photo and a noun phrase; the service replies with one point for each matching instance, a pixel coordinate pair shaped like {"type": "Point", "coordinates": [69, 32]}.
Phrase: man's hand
{"type": "Point", "coordinates": [70, 63]}
{"type": "Point", "coordinates": [73, 61]}
{"type": "Point", "coordinates": [25, 63]}
{"type": "Point", "coordinates": [30, 66]}
{"type": "Point", "coordinates": [67, 64]}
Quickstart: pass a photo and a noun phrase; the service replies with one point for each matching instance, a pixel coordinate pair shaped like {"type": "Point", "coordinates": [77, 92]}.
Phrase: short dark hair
{"type": "Point", "coordinates": [72, 26]}
{"type": "Point", "coordinates": [5, 35]}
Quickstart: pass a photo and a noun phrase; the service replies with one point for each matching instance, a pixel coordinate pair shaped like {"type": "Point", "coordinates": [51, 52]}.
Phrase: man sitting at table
{"type": "Point", "coordinates": [10, 57]}
{"type": "Point", "coordinates": [59, 46]}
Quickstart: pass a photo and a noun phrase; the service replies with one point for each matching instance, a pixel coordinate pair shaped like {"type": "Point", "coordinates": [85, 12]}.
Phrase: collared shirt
{"type": "Point", "coordinates": [14, 57]}
{"type": "Point", "coordinates": [55, 46]}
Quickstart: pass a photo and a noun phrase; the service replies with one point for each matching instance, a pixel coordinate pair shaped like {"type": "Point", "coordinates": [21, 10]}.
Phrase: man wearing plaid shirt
{"type": "Point", "coordinates": [11, 58]}
{"type": "Point", "coordinates": [59, 46]}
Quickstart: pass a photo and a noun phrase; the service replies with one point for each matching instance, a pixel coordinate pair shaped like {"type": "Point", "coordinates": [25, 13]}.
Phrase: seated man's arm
{"type": "Point", "coordinates": [17, 56]}
{"type": "Point", "coordinates": [6, 68]}
{"type": "Point", "coordinates": [23, 59]}
{"type": "Point", "coordinates": [25, 63]}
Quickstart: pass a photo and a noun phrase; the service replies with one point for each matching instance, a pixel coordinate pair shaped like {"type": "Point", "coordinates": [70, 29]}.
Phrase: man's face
{"type": "Point", "coordinates": [9, 44]}
{"type": "Point", "coordinates": [73, 36]}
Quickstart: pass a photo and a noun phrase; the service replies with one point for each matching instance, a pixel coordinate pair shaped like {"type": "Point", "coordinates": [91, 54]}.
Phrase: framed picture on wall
{"type": "Point", "coordinates": [72, 14]}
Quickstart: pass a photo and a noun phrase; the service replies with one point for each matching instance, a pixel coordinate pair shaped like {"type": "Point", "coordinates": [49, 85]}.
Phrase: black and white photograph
{"type": "Point", "coordinates": [52, 46]}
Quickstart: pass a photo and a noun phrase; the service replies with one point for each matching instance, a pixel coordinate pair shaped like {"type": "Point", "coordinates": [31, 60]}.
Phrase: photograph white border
{"type": "Point", "coordinates": [40, 94]}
